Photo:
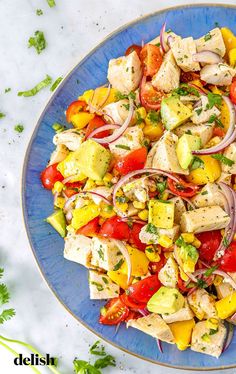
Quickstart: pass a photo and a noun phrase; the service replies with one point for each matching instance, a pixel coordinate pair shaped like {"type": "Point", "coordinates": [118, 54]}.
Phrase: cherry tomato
{"type": "Point", "coordinates": [72, 188]}
{"type": "Point", "coordinates": [228, 261]}
{"type": "Point", "coordinates": [189, 76]}
{"type": "Point", "coordinates": [155, 267]}
{"type": "Point", "coordinates": [134, 236]}
{"type": "Point", "coordinates": [132, 48]}
{"type": "Point", "coordinates": [150, 98]}
{"type": "Point", "coordinates": [210, 241]}
{"type": "Point", "coordinates": [90, 229]}
{"type": "Point", "coordinates": [74, 108]}
{"type": "Point", "coordinates": [94, 124]}
{"type": "Point", "coordinates": [133, 315]}
{"type": "Point", "coordinates": [129, 302]}
{"type": "Point", "coordinates": [114, 312]}
{"type": "Point", "coordinates": [182, 188]}
{"type": "Point", "coordinates": [218, 131]}
{"type": "Point", "coordinates": [134, 160]}
{"type": "Point", "coordinates": [232, 92]}
{"type": "Point", "coordinates": [50, 176]}
{"type": "Point", "coordinates": [151, 58]}
{"type": "Point", "coordinates": [143, 290]}
{"type": "Point", "coordinates": [114, 228]}
{"type": "Point", "coordinates": [181, 285]}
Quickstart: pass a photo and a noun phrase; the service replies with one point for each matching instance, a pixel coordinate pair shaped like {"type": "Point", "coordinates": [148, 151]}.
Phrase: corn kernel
{"type": "Point", "coordinates": [165, 241]}
{"type": "Point", "coordinates": [222, 231]}
{"type": "Point", "coordinates": [143, 215]}
{"type": "Point", "coordinates": [196, 243]}
{"type": "Point", "coordinates": [183, 276]}
{"type": "Point", "coordinates": [101, 220]}
{"type": "Point", "coordinates": [60, 202]}
{"type": "Point", "coordinates": [151, 254]}
{"type": "Point", "coordinates": [214, 141]}
{"type": "Point", "coordinates": [122, 206]}
{"type": "Point", "coordinates": [89, 184]}
{"type": "Point", "coordinates": [107, 178]}
{"type": "Point", "coordinates": [107, 211]}
{"type": "Point", "coordinates": [218, 280]}
{"type": "Point", "coordinates": [165, 195]}
{"type": "Point", "coordinates": [141, 113]}
{"type": "Point", "coordinates": [58, 187]}
{"type": "Point", "coordinates": [141, 125]}
{"type": "Point", "coordinates": [212, 323]}
{"type": "Point", "coordinates": [99, 183]}
{"type": "Point", "coordinates": [188, 237]}
{"type": "Point", "coordinates": [138, 204]}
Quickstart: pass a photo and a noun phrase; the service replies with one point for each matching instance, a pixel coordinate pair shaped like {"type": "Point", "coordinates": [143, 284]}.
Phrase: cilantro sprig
{"type": "Point", "coordinates": [37, 41]}
{"type": "Point", "coordinates": [33, 91]}
{"type": "Point", "coordinates": [51, 3]}
{"type": "Point", "coordinates": [213, 99]}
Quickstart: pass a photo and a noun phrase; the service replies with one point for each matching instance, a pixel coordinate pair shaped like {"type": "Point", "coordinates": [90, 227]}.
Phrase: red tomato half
{"type": "Point", "coordinates": [132, 48]}
{"type": "Point", "coordinates": [143, 290]}
{"type": "Point", "coordinates": [232, 93]}
{"type": "Point", "coordinates": [114, 312]}
{"type": "Point", "coordinates": [134, 236]}
{"type": "Point", "coordinates": [50, 176]}
{"type": "Point", "coordinates": [150, 98]}
{"type": "Point", "coordinates": [114, 228]}
{"type": "Point", "coordinates": [182, 188]}
{"type": "Point", "coordinates": [74, 108]}
{"type": "Point", "coordinates": [210, 241]}
{"type": "Point", "coordinates": [151, 58]}
{"type": "Point", "coordinates": [129, 302]}
{"type": "Point", "coordinates": [228, 261]}
{"type": "Point", "coordinates": [90, 229]}
{"type": "Point", "coordinates": [94, 124]}
{"type": "Point", "coordinates": [132, 161]}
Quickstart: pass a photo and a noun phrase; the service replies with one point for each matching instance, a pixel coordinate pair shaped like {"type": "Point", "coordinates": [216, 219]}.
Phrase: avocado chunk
{"type": "Point", "coordinates": [174, 112]}
{"type": "Point", "coordinates": [58, 222]}
{"type": "Point", "coordinates": [161, 213]}
{"type": "Point", "coordinates": [186, 144]}
{"type": "Point", "coordinates": [166, 300]}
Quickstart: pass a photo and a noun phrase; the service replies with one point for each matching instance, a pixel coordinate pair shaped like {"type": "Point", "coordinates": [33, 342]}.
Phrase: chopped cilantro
{"type": "Point", "coordinates": [213, 331]}
{"type": "Point", "coordinates": [153, 116]}
{"type": "Point", "coordinates": [204, 193]}
{"type": "Point", "coordinates": [126, 106]}
{"type": "Point", "coordinates": [51, 3]}
{"type": "Point", "coordinates": [19, 128]}
{"type": "Point", "coordinates": [39, 12]}
{"type": "Point", "coordinates": [201, 283]}
{"type": "Point", "coordinates": [158, 44]}
{"type": "Point", "coordinates": [102, 363]}
{"type": "Point", "coordinates": [198, 111]}
{"type": "Point", "coordinates": [57, 127]}
{"type": "Point", "coordinates": [213, 118]}
{"type": "Point", "coordinates": [213, 99]}
{"type": "Point", "coordinates": [105, 280]}
{"type": "Point", "coordinates": [132, 95]}
{"type": "Point", "coordinates": [118, 265]}
{"type": "Point", "coordinates": [211, 270]}
{"type": "Point", "coordinates": [56, 83]}
{"type": "Point", "coordinates": [2, 115]}
{"type": "Point", "coordinates": [161, 186]}
{"type": "Point", "coordinates": [44, 83]}
{"type": "Point", "coordinates": [197, 163]}
{"type": "Point", "coordinates": [207, 37]}
{"type": "Point", "coordinates": [37, 41]}
{"type": "Point", "coordinates": [223, 159]}
{"type": "Point", "coordinates": [184, 89]}
{"type": "Point", "coordinates": [122, 146]}
{"type": "Point", "coordinates": [139, 119]}
{"type": "Point", "coordinates": [7, 90]}
{"type": "Point", "coordinates": [97, 350]}
{"type": "Point", "coordinates": [84, 367]}
{"type": "Point", "coordinates": [120, 96]}
{"type": "Point", "coordinates": [98, 286]}
{"type": "Point", "coordinates": [121, 199]}
{"type": "Point", "coordinates": [152, 229]}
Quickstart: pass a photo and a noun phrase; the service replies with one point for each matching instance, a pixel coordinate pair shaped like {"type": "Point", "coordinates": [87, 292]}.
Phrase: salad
{"type": "Point", "coordinates": [144, 189]}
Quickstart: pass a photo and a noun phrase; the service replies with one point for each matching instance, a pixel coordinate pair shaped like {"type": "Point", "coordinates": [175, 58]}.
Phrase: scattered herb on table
{"type": "Point", "coordinates": [56, 83]}
{"type": "Point", "coordinates": [39, 12]}
{"type": "Point", "coordinates": [44, 83]}
{"type": "Point", "coordinates": [51, 3]}
{"type": "Point", "coordinates": [7, 90]}
{"type": "Point", "coordinates": [19, 128]}
{"type": "Point", "coordinates": [2, 115]}
{"type": "Point", "coordinates": [37, 41]}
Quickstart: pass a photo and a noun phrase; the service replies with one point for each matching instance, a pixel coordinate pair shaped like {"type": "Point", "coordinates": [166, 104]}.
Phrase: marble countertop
{"type": "Point", "coordinates": [71, 28]}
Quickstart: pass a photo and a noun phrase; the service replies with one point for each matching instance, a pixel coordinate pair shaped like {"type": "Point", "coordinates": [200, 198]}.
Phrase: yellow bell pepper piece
{"type": "Point", "coordinates": [60, 202]}
{"type": "Point", "coordinates": [119, 278]}
{"type": "Point", "coordinates": [153, 131]}
{"type": "Point", "coordinates": [58, 187]}
{"type": "Point", "coordinates": [209, 173]}
{"type": "Point", "coordinates": [81, 119]}
{"type": "Point", "coordinates": [139, 262]}
{"type": "Point", "coordinates": [143, 215]}
{"type": "Point", "coordinates": [152, 254]}
{"type": "Point", "coordinates": [229, 39]}
{"type": "Point", "coordinates": [226, 306]}
{"type": "Point", "coordinates": [68, 167]}
{"type": "Point", "coordinates": [232, 57]}
{"type": "Point", "coordinates": [84, 215]}
{"type": "Point", "coordinates": [188, 237]}
{"type": "Point", "coordinates": [198, 83]}
{"type": "Point", "coordinates": [165, 241]}
{"type": "Point", "coordinates": [182, 332]}
{"type": "Point", "coordinates": [98, 96]}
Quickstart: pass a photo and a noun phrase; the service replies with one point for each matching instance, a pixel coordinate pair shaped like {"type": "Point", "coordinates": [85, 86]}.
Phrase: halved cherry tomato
{"type": "Point", "coordinates": [130, 303]}
{"type": "Point", "coordinates": [151, 58]}
{"type": "Point", "coordinates": [232, 92]}
{"type": "Point", "coordinates": [74, 108]}
{"type": "Point", "coordinates": [228, 261]}
{"type": "Point", "coordinates": [155, 267]}
{"type": "Point", "coordinates": [210, 241]}
{"type": "Point", "coordinates": [150, 98]}
{"type": "Point", "coordinates": [114, 228]}
{"type": "Point", "coordinates": [94, 124]}
{"type": "Point", "coordinates": [189, 76]}
{"type": "Point", "coordinates": [133, 315]}
{"type": "Point", "coordinates": [90, 229]}
{"type": "Point", "coordinates": [181, 285]}
{"type": "Point", "coordinates": [114, 312]}
{"type": "Point", "coordinates": [50, 176]}
{"type": "Point", "coordinates": [182, 188]}
{"type": "Point", "coordinates": [134, 160]}
{"type": "Point", "coordinates": [134, 236]}
{"type": "Point", "coordinates": [72, 188]}
{"type": "Point", "coordinates": [218, 131]}
{"type": "Point", "coordinates": [143, 290]}
{"type": "Point", "coordinates": [132, 48]}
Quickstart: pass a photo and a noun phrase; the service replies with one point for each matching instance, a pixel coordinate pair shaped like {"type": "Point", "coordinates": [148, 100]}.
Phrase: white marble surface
{"type": "Point", "coordinates": [72, 28]}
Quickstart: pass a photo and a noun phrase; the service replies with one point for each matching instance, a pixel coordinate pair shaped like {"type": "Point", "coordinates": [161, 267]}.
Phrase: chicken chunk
{"type": "Point", "coordinates": [179, 208]}
{"type": "Point", "coordinates": [205, 342]}
{"type": "Point", "coordinates": [105, 253]}
{"type": "Point", "coordinates": [202, 113]}
{"type": "Point", "coordinates": [204, 219]}
{"type": "Point", "coordinates": [124, 73]}
{"type": "Point", "coordinates": [118, 111]}
{"type": "Point", "coordinates": [102, 190]}
{"type": "Point", "coordinates": [71, 138]}
{"type": "Point", "coordinates": [148, 237]}
{"type": "Point", "coordinates": [230, 153]}
{"type": "Point", "coordinates": [156, 40]}
{"type": "Point", "coordinates": [204, 131]}
{"type": "Point", "coordinates": [78, 248]}
{"type": "Point", "coordinates": [101, 286]}
{"type": "Point", "coordinates": [165, 157]}
{"type": "Point", "coordinates": [218, 74]}
{"type": "Point", "coordinates": [168, 275]}
{"type": "Point", "coordinates": [184, 314]}
{"type": "Point", "coordinates": [183, 51]}
{"type": "Point", "coordinates": [153, 325]}
{"type": "Point", "coordinates": [202, 304]}
{"type": "Point", "coordinates": [212, 41]}
{"type": "Point", "coordinates": [137, 190]}
{"type": "Point", "coordinates": [131, 139]}
{"type": "Point", "coordinates": [210, 195]}
{"type": "Point", "coordinates": [59, 154]}
{"type": "Point", "coordinates": [168, 76]}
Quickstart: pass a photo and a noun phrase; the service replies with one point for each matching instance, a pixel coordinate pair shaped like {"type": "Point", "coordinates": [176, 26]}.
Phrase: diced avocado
{"type": "Point", "coordinates": [69, 167]}
{"type": "Point", "coordinates": [166, 300]}
{"type": "Point", "coordinates": [58, 222]}
{"type": "Point", "coordinates": [82, 216]}
{"type": "Point", "coordinates": [161, 213]}
{"type": "Point", "coordinates": [186, 144]}
{"type": "Point", "coordinates": [187, 254]}
{"type": "Point", "coordinates": [174, 112]}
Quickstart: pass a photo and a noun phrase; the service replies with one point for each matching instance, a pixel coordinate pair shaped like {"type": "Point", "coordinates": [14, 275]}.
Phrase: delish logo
{"type": "Point", "coordinates": [35, 360]}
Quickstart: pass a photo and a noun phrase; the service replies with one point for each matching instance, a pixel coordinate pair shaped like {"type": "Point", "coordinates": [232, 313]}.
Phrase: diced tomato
{"type": "Point", "coordinates": [90, 229]}
{"type": "Point", "coordinates": [134, 236]}
{"type": "Point", "coordinates": [210, 241]}
{"type": "Point", "coordinates": [228, 261]}
{"type": "Point", "coordinates": [72, 188]}
{"type": "Point", "coordinates": [232, 92]}
{"type": "Point", "coordinates": [143, 290]}
{"type": "Point", "coordinates": [114, 228]}
{"type": "Point", "coordinates": [132, 161]}
{"type": "Point", "coordinates": [182, 188]}
{"type": "Point", "coordinates": [132, 48]}
{"type": "Point", "coordinates": [130, 303]}
{"type": "Point", "coordinates": [150, 97]}
{"type": "Point", "coordinates": [50, 176]}
{"type": "Point", "coordinates": [74, 108]}
{"type": "Point", "coordinates": [94, 124]}
{"type": "Point", "coordinates": [155, 267]}
{"type": "Point", "coordinates": [218, 131]}
{"type": "Point", "coordinates": [151, 58]}
{"type": "Point", "coordinates": [181, 285]}
{"type": "Point", "coordinates": [189, 76]}
{"type": "Point", "coordinates": [133, 315]}
{"type": "Point", "coordinates": [114, 312]}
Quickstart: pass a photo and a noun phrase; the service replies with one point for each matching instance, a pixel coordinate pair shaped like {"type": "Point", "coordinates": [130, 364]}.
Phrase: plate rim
{"type": "Point", "coordinates": [24, 172]}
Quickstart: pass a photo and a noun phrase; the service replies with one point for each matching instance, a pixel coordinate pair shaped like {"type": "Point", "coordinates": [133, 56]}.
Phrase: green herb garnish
{"type": "Point", "coordinates": [122, 146]}
{"type": "Point", "coordinates": [56, 83]}
{"type": "Point", "coordinates": [153, 116]}
{"type": "Point", "coordinates": [97, 349]}
{"type": "Point", "coordinates": [19, 128]}
{"type": "Point", "coordinates": [197, 163]}
{"type": "Point", "coordinates": [39, 12]}
{"type": "Point", "coordinates": [211, 270]}
{"type": "Point", "coordinates": [213, 99]}
{"type": "Point", "coordinates": [213, 331]}
{"type": "Point", "coordinates": [7, 90]}
{"type": "Point", "coordinates": [152, 229]}
{"type": "Point", "coordinates": [2, 115]}
{"type": "Point", "coordinates": [51, 3]}
{"type": "Point", "coordinates": [207, 37]}
{"type": "Point", "coordinates": [201, 283]}
{"type": "Point", "coordinates": [118, 265]}
{"type": "Point", "coordinates": [37, 41]}
{"type": "Point", "coordinates": [223, 159]}
{"type": "Point", "coordinates": [44, 83]}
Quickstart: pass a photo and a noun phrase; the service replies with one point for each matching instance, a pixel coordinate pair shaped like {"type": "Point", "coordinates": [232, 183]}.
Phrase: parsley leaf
{"type": "Point", "coordinates": [51, 3]}
{"type": "Point", "coordinates": [19, 128]}
{"type": "Point", "coordinates": [37, 41]}
{"type": "Point", "coordinates": [98, 350]}
{"type": "Point", "coordinates": [213, 118]}
{"type": "Point", "coordinates": [198, 111]}
{"type": "Point", "coordinates": [153, 116]}
{"type": "Point", "coordinates": [6, 315]}
{"type": "Point", "coordinates": [201, 283]}
{"type": "Point", "coordinates": [209, 271]}
{"type": "Point", "coordinates": [84, 367]}
{"type": "Point", "coordinates": [197, 163]}
{"type": "Point", "coordinates": [152, 229]}
{"type": "Point", "coordinates": [56, 83]}
{"type": "Point", "coordinates": [108, 360]}
{"type": "Point", "coordinates": [207, 37]}
{"type": "Point", "coordinates": [213, 99]}
{"type": "Point", "coordinates": [44, 83]}
{"type": "Point", "coordinates": [4, 294]}
{"type": "Point", "coordinates": [39, 12]}
{"type": "Point", "coordinates": [7, 90]}
{"type": "Point", "coordinates": [223, 159]}
{"type": "Point", "coordinates": [2, 115]}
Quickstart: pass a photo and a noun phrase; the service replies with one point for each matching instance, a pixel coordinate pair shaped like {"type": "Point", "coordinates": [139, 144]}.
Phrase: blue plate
{"type": "Point", "coordinates": [68, 280]}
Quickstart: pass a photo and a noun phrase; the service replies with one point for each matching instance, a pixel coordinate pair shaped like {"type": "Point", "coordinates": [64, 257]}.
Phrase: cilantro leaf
{"type": "Point", "coordinates": [7, 90]}
{"type": "Point", "coordinates": [1, 272]}
{"type": "Point", "coordinates": [153, 116]}
{"type": "Point", "coordinates": [213, 118]}
{"type": "Point", "coordinates": [56, 83]}
{"type": "Point", "coordinates": [19, 128]}
{"type": "Point", "coordinates": [184, 89]}
{"type": "Point", "coordinates": [6, 315]}
{"type": "Point", "coordinates": [39, 12]}
{"type": "Point", "coordinates": [44, 83]}
{"type": "Point", "coordinates": [161, 186]}
{"type": "Point", "coordinates": [207, 37]}
{"type": "Point", "coordinates": [213, 99]}
{"type": "Point", "coordinates": [197, 163]}
{"type": "Point", "coordinates": [152, 229]}
{"type": "Point", "coordinates": [211, 270]}
{"type": "Point", "coordinates": [98, 350]}
{"type": "Point", "coordinates": [102, 363]}
{"type": "Point", "coordinates": [223, 159]}
{"type": "Point", "coordinates": [122, 146]}
{"type": "Point", "coordinates": [2, 115]}
{"type": "Point", "coordinates": [51, 3]}
{"type": "Point", "coordinates": [84, 367]}
{"type": "Point", "coordinates": [201, 283]}
{"type": "Point", "coordinates": [213, 331]}
{"type": "Point", "coordinates": [120, 96]}
{"type": "Point", "coordinates": [118, 265]}
{"type": "Point", "coordinates": [4, 294]}
{"type": "Point", "coordinates": [37, 41]}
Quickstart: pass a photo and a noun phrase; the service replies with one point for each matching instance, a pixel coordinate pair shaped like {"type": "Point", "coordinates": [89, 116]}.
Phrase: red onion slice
{"type": "Point", "coordinates": [229, 337]}
{"type": "Point", "coordinates": [170, 40]}
{"type": "Point", "coordinates": [159, 345]}
{"type": "Point", "coordinates": [72, 198]}
{"type": "Point", "coordinates": [101, 129]}
{"type": "Point", "coordinates": [126, 255]}
{"type": "Point", "coordinates": [232, 319]}
{"type": "Point", "coordinates": [144, 312]}
{"type": "Point", "coordinates": [207, 57]}
{"type": "Point", "coordinates": [162, 36]}
{"type": "Point", "coordinates": [222, 273]}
